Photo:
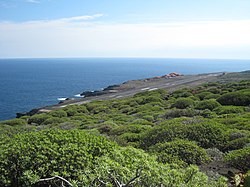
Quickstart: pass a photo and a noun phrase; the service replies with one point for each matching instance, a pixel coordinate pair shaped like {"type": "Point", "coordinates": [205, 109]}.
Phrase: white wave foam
{"type": "Point", "coordinates": [61, 99]}
{"type": "Point", "coordinates": [78, 95]}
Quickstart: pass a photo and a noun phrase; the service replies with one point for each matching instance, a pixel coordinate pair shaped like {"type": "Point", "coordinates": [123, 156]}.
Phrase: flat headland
{"type": "Point", "coordinates": [171, 82]}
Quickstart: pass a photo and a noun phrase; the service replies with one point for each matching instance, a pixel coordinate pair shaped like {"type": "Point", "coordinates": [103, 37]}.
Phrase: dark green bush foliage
{"type": "Point", "coordinates": [202, 95]}
{"type": "Point", "coordinates": [85, 160]}
{"type": "Point", "coordinates": [239, 98]}
{"type": "Point", "coordinates": [49, 153]}
{"type": "Point", "coordinates": [182, 150]}
{"type": "Point", "coordinates": [148, 118]}
{"type": "Point", "coordinates": [129, 128]}
{"type": "Point", "coordinates": [207, 113]}
{"type": "Point", "coordinates": [239, 159]}
{"type": "Point", "coordinates": [164, 133]}
{"type": "Point", "coordinates": [73, 110]}
{"type": "Point", "coordinates": [38, 119]}
{"type": "Point", "coordinates": [58, 113]}
{"type": "Point", "coordinates": [207, 104]}
{"type": "Point", "coordinates": [14, 122]}
{"type": "Point", "coordinates": [175, 113]}
{"type": "Point", "coordinates": [212, 96]}
{"type": "Point", "coordinates": [214, 90]}
{"type": "Point", "coordinates": [182, 103]}
{"type": "Point", "coordinates": [207, 135]}
{"type": "Point", "coordinates": [238, 143]}
{"type": "Point", "coordinates": [181, 93]}
{"type": "Point", "coordinates": [53, 120]}
{"type": "Point", "coordinates": [228, 109]}
{"type": "Point", "coordinates": [128, 137]}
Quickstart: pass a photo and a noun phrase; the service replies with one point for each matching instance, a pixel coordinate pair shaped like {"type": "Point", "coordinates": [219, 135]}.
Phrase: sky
{"type": "Point", "coordinates": [125, 28]}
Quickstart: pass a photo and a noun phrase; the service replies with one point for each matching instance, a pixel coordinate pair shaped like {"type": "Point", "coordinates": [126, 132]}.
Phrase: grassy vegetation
{"type": "Point", "coordinates": [153, 138]}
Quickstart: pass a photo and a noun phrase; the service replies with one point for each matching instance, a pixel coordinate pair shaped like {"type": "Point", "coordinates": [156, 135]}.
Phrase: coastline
{"type": "Point", "coordinates": [171, 82]}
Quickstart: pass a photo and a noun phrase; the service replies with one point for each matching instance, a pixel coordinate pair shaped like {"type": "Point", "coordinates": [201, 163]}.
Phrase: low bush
{"type": "Point", "coordinates": [53, 120]}
{"type": "Point", "coordinates": [202, 95]}
{"type": "Point", "coordinates": [86, 160]}
{"type": "Point", "coordinates": [238, 143]}
{"type": "Point", "coordinates": [14, 122]}
{"type": "Point", "coordinates": [183, 150]}
{"type": "Point", "coordinates": [163, 133]}
{"type": "Point", "coordinates": [38, 119]}
{"type": "Point", "coordinates": [182, 103]}
{"type": "Point", "coordinates": [239, 159]}
{"type": "Point", "coordinates": [181, 93]}
{"type": "Point", "coordinates": [207, 104]}
{"type": "Point", "coordinates": [175, 113]}
{"type": "Point", "coordinates": [207, 135]}
{"type": "Point", "coordinates": [212, 96]}
{"type": "Point", "coordinates": [239, 98]}
{"type": "Point", "coordinates": [228, 109]}
{"type": "Point", "coordinates": [58, 113]}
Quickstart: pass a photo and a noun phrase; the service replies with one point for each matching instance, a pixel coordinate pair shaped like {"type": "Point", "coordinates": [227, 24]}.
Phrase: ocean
{"type": "Point", "coordinates": [30, 83]}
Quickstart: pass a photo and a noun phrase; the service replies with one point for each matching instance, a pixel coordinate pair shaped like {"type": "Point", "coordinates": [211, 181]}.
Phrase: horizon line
{"type": "Point", "coordinates": [209, 58]}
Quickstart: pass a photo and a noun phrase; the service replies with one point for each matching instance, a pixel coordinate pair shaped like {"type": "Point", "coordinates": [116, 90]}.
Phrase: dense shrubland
{"type": "Point", "coordinates": [153, 138]}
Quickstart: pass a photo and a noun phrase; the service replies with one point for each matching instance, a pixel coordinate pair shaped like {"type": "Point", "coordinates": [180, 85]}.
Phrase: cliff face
{"type": "Point", "coordinates": [30, 113]}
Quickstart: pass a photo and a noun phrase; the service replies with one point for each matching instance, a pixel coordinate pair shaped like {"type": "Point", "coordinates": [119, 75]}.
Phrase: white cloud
{"type": "Point", "coordinates": [81, 18]}
{"type": "Point", "coordinates": [63, 21]}
{"type": "Point", "coordinates": [76, 37]}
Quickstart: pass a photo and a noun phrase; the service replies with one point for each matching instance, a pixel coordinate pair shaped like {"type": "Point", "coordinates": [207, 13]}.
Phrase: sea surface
{"type": "Point", "coordinates": [30, 83]}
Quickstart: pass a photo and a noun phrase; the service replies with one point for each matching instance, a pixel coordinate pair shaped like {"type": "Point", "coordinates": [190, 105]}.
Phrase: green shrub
{"type": "Point", "coordinates": [151, 99]}
{"type": "Point", "coordinates": [163, 133]}
{"type": "Point", "coordinates": [239, 98]}
{"type": "Point", "coordinates": [142, 122]}
{"type": "Point", "coordinates": [181, 93]}
{"type": "Point", "coordinates": [76, 109]}
{"type": "Point", "coordinates": [202, 95]}
{"type": "Point", "coordinates": [228, 109]}
{"type": "Point", "coordinates": [53, 120]}
{"type": "Point", "coordinates": [68, 125]}
{"type": "Point", "coordinates": [215, 90]}
{"type": "Point", "coordinates": [238, 143]}
{"type": "Point", "coordinates": [38, 118]}
{"type": "Point", "coordinates": [14, 122]}
{"type": "Point", "coordinates": [182, 103]}
{"type": "Point", "coordinates": [207, 135]}
{"type": "Point", "coordinates": [175, 113]}
{"type": "Point", "coordinates": [86, 160]}
{"type": "Point", "coordinates": [183, 150]}
{"type": "Point", "coordinates": [239, 159]}
{"type": "Point", "coordinates": [207, 104]}
{"type": "Point", "coordinates": [129, 128]}
{"type": "Point", "coordinates": [212, 96]}
{"type": "Point", "coordinates": [71, 112]}
{"type": "Point", "coordinates": [58, 113]}
{"type": "Point", "coordinates": [49, 153]}
{"type": "Point", "coordinates": [130, 137]}
{"type": "Point", "coordinates": [208, 113]}
{"type": "Point", "coordinates": [148, 118]}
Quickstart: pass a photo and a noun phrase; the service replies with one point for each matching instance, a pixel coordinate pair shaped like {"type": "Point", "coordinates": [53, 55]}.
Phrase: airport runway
{"type": "Point", "coordinates": [170, 84]}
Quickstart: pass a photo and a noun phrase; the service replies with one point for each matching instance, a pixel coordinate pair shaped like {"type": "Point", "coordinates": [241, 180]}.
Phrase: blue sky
{"type": "Point", "coordinates": [128, 28]}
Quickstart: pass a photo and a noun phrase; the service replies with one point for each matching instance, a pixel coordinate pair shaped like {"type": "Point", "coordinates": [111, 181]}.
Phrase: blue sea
{"type": "Point", "coordinates": [30, 83]}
